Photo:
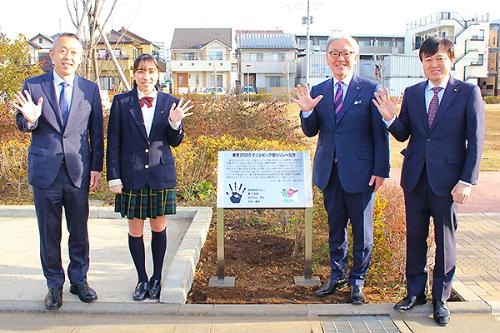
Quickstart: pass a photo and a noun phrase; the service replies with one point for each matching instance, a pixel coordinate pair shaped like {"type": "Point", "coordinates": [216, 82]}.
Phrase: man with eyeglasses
{"type": "Point", "coordinates": [444, 119]}
{"type": "Point", "coordinates": [351, 160]}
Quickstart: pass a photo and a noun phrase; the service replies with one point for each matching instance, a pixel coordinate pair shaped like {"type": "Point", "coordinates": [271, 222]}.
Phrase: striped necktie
{"type": "Point", "coordinates": [338, 97]}
{"type": "Point", "coordinates": [63, 103]}
{"type": "Point", "coordinates": [433, 105]}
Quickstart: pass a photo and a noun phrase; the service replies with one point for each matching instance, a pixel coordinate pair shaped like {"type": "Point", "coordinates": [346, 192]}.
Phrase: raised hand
{"type": "Point", "coordinates": [304, 99]}
{"type": "Point", "coordinates": [386, 105]}
{"type": "Point", "coordinates": [30, 110]}
{"type": "Point", "coordinates": [179, 112]}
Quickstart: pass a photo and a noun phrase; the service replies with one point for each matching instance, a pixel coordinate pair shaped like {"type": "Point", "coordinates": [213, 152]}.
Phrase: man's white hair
{"type": "Point", "coordinates": [341, 35]}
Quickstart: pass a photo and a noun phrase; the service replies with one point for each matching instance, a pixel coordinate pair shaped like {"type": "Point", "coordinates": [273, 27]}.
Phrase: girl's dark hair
{"type": "Point", "coordinates": [431, 46]}
{"type": "Point", "coordinates": [146, 57]}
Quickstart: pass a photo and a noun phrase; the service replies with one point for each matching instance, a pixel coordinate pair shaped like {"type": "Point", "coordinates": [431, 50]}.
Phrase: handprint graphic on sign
{"type": "Point", "coordinates": [236, 194]}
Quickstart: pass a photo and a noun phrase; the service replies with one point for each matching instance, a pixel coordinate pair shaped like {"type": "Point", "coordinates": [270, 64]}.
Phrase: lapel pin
{"type": "Point", "coordinates": [455, 90]}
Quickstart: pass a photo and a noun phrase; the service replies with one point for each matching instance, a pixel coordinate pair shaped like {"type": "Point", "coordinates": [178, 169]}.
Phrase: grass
{"type": "Point", "coordinates": [491, 154]}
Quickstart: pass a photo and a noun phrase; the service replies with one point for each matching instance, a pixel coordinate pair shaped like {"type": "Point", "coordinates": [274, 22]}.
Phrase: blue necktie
{"type": "Point", "coordinates": [63, 103]}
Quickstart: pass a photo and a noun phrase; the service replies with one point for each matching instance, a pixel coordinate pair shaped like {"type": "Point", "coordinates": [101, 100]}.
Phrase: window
{"type": "Point", "coordinates": [273, 81]}
{"type": "Point", "coordinates": [260, 56]}
{"type": "Point", "coordinates": [215, 55]}
{"type": "Point", "coordinates": [281, 57]}
{"type": "Point", "coordinates": [187, 56]}
{"type": "Point", "coordinates": [106, 82]}
{"type": "Point", "coordinates": [40, 40]}
{"type": "Point", "coordinates": [219, 80]}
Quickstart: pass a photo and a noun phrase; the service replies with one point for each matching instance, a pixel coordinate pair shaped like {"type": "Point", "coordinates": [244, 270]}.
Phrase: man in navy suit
{"type": "Point", "coordinates": [351, 160]}
{"type": "Point", "coordinates": [65, 158]}
{"type": "Point", "coordinates": [444, 120]}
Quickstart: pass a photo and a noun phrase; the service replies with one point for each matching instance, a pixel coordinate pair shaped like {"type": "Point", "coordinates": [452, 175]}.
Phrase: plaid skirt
{"type": "Point", "coordinates": [146, 203]}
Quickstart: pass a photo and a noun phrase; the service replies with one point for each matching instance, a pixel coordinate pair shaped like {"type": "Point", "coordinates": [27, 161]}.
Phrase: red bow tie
{"type": "Point", "coordinates": [146, 100]}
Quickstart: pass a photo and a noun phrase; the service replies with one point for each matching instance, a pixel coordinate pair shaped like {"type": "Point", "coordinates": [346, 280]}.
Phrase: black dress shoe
{"type": "Point", "coordinates": [84, 292]}
{"type": "Point", "coordinates": [409, 301]}
{"type": "Point", "coordinates": [356, 296]}
{"type": "Point", "coordinates": [53, 300]}
{"type": "Point", "coordinates": [329, 287]}
{"type": "Point", "coordinates": [441, 313]}
{"type": "Point", "coordinates": [154, 289]}
{"type": "Point", "coordinates": [141, 291]}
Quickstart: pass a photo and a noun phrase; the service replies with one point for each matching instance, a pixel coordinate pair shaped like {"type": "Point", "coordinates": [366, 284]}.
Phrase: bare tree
{"type": "Point", "coordinates": [86, 16]}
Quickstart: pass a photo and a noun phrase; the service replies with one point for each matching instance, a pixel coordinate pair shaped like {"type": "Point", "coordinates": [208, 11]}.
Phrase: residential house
{"type": "Point", "coordinates": [267, 61]}
{"type": "Point", "coordinates": [201, 58]}
{"type": "Point", "coordinates": [40, 48]}
{"type": "Point", "coordinates": [126, 47]}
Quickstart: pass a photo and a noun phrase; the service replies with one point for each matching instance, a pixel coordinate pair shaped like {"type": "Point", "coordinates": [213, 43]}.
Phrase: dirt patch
{"type": "Point", "coordinates": [261, 261]}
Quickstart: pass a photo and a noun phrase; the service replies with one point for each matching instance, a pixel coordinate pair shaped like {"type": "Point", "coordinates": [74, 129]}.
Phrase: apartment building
{"type": "Point", "coordinates": [267, 61]}
{"type": "Point", "coordinates": [469, 35]}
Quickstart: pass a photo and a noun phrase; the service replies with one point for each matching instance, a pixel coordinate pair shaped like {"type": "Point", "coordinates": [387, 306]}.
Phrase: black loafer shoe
{"type": "Point", "coordinates": [356, 296]}
{"type": "Point", "coordinates": [84, 292]}
{"type": "Point", "coordinates": [441, 313]}
{"type": "Point", "coordinates": [329, 287]}
{"type": "Point", "coordinates": [141, 291]}
{"type": "Point", "coordinates": [409, 301]}
{"type": "Point", "coordinates": [154, 289]}
{"type": "Point", "coordinates": [53, 300]}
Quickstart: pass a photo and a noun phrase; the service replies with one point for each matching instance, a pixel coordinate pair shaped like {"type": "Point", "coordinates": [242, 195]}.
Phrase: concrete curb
{"type": "Point", "coordinates": [240, 310]}
{"type": "Point", "coordinates": [178, 279]}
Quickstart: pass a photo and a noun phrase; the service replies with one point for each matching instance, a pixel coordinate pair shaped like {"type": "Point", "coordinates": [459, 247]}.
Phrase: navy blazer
{"type": "Point", "coordinates": [356, 136]}
{"type": "Point", "coordinates": [451, 149]}
{"type": "Point", "coordinates": [80, 143]}
{"type": "Point", "coordinates": [134, 157]}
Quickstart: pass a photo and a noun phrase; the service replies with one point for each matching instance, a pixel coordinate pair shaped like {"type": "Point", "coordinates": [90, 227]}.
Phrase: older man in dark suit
{"type": "Point", "coordinates": [444, 120]}
{"type": "Point", "coordinates": [65, 159]}
{"type": "Point", "coordinates": [351, 160]}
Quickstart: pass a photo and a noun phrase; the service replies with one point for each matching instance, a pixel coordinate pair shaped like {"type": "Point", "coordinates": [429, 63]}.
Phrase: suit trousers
{"type": "Point", "coordinates": [357, 208]}
{"type": "Point", "coordinates": [421, 205]}
{"type": "Point", "coordinates": [48, 205]}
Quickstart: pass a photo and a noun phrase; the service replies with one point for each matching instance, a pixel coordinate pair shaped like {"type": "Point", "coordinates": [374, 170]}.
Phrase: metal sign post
{"type": "Point", "coordinates": [264, 179]}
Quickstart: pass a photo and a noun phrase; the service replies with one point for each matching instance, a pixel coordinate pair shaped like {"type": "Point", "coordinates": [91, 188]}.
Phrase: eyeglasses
{"type": "Point", "coordinates": [345, 53]}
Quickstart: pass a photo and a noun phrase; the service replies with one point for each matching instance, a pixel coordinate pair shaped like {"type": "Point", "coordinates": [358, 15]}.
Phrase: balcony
{"type": "Point", "coordinates": [201, 65]}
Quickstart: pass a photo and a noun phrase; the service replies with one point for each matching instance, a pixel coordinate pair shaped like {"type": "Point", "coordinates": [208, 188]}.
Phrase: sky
{"type": "Point", "coordinates": [156, 20]}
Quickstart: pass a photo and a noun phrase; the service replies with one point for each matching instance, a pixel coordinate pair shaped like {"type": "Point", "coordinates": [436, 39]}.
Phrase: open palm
{"type": "Point", "coordinates": [304, 99]}
{"type": "Point", "coordinates": [30, 110]}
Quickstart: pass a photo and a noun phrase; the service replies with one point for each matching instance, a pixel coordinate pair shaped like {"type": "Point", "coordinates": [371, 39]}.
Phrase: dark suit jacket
{"type": "Point", "coordinates": [451, 149]}
{"type": "Point", "coordinates": [356, 136]}
{"type": "Point", "coordinates": [80, 144]}
{"type": "Point", "coordinates": [134, 157]}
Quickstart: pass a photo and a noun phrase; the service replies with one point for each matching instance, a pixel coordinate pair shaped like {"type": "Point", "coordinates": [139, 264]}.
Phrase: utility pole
{"type": "Point", "coordinates": [308, 47]}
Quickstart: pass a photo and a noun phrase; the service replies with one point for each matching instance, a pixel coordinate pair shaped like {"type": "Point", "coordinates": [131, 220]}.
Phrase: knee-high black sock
{"type": "Point", "coordinates": [158, 247]}
{"type": "Point", "coordinates": [136, 246]}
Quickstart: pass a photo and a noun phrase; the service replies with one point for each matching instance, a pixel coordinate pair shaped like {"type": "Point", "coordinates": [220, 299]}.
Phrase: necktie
{"type": "Point", "coordinates": [146, 100]}
{"type": "Point", "coordinates": [433, 105]}
{"type": "Point", "coordinates": [338, 97]}
{"type": "Point", "coordinates": [63, 103]}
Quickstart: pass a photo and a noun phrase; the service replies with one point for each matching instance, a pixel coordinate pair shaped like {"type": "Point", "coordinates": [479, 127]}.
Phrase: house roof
{"type": "Point", "coordinates": [266, 41]}
{"type": "Point", "coordinates": [34, 39]}
{"type": "Point", "coordinates": [124, 36]}
{"type": "Point", "coordinates": [196, 38]}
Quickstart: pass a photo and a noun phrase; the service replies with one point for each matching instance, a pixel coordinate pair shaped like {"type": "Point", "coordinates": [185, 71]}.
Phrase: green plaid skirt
{"type": "Point", "coordinates": [146, 203]}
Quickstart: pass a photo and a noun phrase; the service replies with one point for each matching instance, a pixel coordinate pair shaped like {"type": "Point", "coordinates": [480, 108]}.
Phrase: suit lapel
{"type": "Point", "coordinates": [76, 98]}
{"type": "Point", "coordinates": [328, 96]}
{"type": "Point", "coordinates": [136, 112]}
{"type": "Point", "coordinates": [451, 91]}
{"type": "Point", "coordinates": [420, 105]}
{"type": "Point", "coordinates": [53, 116]}
{"type": "Point", "coordinates": [352, 91]}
